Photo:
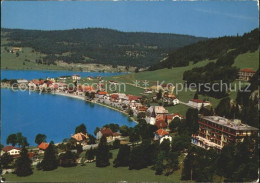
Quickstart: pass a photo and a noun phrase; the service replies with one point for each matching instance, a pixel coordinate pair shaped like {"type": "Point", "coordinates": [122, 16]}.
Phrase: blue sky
{"type": "Point", "coordinates": [208, 19]}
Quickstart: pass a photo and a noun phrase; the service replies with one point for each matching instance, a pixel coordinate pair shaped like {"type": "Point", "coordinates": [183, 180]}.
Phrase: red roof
{"type": "Point", "coordinates": [43, 145]}
{"type": "Point", "coordinates": [106, 132]}
{"type": "Point", "coordinates": [88, 88]}
{"type": "Point", "coordinates": [37, 81]}
{"type": "Point", "coordinates": [9, 148]}
{"type": "Point", "coordinates": [132, 97]}
{"type": "Point", "coordinates": [162, 132]}
{"type": "Point", "coordinates": [140, 108]}
{"type": "Point", "coordinates": [114, 96]}
{"type": "Point", "coordinates": [247, 70]}
{"type": "Point", "coordinates": [102, 93]}
{"type": "Point", "coordinates": [116, 134]}
{"type": "Point", "coordinates": [199, 101]}
{"type": "Point", "coordinates": [160, 124]}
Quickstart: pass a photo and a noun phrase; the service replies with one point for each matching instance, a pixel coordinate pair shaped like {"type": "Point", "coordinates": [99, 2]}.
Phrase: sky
{"type": "Point", "coordinates": [199, 18]}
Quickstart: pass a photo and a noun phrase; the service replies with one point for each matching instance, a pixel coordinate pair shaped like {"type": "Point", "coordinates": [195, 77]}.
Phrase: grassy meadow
{"type": "Point", "coordinates": [90, 173]}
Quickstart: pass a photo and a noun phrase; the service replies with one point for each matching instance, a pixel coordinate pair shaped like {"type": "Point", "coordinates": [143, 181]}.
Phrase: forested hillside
{"type": "Point", "coordinates": [210, 49]}
{"type": "Point", "coordinates": [96, 45]}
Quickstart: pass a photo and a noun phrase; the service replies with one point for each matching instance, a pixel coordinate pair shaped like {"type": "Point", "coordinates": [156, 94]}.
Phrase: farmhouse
{"type": "Point", "coordinates": [245, 74]}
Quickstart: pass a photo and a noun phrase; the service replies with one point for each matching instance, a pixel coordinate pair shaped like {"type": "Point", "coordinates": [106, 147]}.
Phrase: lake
{"type": "Point", "coordinates": [53, 115]}
{"type": "Point", "coordinates": [33, 74]}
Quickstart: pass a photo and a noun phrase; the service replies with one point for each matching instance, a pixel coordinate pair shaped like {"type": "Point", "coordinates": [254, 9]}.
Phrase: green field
{"type": "Point", "coordinates": [248, 60]}
{"type": "Point", "coordinates": [90, 173]}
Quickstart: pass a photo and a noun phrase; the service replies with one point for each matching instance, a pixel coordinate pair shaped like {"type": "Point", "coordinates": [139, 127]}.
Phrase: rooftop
{"type": "Point", "coordinates": [233, 124]}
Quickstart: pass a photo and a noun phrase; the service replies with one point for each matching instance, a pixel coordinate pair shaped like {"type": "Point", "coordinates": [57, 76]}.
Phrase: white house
{"type": "Point", "coordinates": [157, 110]}
{"type": "Point", "coordinates": [197, 103]}
{"type": "Point", "coordinates": [76, 77]}
{"type": "Point", "coordinates": [13, 151]}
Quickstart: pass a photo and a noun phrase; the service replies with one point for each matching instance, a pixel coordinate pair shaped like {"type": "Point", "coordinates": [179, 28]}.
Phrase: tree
{"type": "Point", "coordinates": [81, 129]}
{"type": "Point", "coordinates": [23, 165]}
{"type": "Point", "coordinates": [49, 161]}
{"type": "Point", "coordinates": [159, 95]}
{"type": "Point", "coordinates": [122, 158]}
{"type": "Point", "coordinates": [21, 140]}
{"type": "Point", "coordinates": [136, 70]}
{"type": "Point", "coordinates": [92, 139]}
{"type": "Point", "coordinates": [6, 159]}
{"type": "Point", "coordinates": [90, 154]}
{"type": "Point", "coordinates": [124, 130]}
{"type": "Point", "coordinates": [159, 163]}
{"type": "Point", "coordinates": [141, 115]}
{"type": "Point", "coordinates": [67, 159]}
{"type": "Point", "coordinates": [96, 130]}
{"type": "Point", "coordinates": [102, 156]}
{"type": "Point", "coordinates": [136, 160]}
{"type": "Point", "coordinates": [192, 120]}
{"type": "Point", "coordinates": [174, 124]}
{"type": "Point", "coordinates": [172, 163]}
{"type": "Point", "coordinates": [224, 107]}
{"type": "Point", "coordinates": [165, 146]}
{"type": "Point", "coordinates": [40, 138]}
{"type": "Point", "coordinates": [116, 144]}
{"type": "Point", "coordinates": [130, 112]}
{"type": "Point", "coordinates": [196, 96]}
{"type": "Point", "coordinates": [11, 139]}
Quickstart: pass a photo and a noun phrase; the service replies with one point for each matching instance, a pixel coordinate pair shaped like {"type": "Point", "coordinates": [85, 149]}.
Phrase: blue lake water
{"type": "Point", "coordinates": [53, 115]}
{"type": "Point", "coordinates": [33, 74]}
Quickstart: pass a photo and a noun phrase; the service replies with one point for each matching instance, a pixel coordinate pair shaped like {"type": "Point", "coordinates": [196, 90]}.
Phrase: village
{"type": "Point", "coordinates": [214, 132]}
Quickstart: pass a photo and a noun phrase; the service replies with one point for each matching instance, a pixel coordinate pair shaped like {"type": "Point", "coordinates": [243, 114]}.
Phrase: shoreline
{"type": "Point", "coordinates": [83, 98]}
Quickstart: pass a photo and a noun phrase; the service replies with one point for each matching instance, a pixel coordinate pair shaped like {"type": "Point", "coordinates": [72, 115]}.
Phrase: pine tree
{"type": "Point", "coordinates": [50, 161]}
{"type": "Point", "coordinates": [159, 164]}
{"type": "Point", "coordinates": [23, 164]}
{"type": "Point", "coordinates": [90, 154]}
{"type": "Point", "coordinates": [136, 160]}
{"type": "Point", "coordinates": [122, 158]}
{"type": "Point", "coordinates": [102, 157]}
{"type": "Point", "coordinates": [6, 159]}
{"type": "Point", "coordinates": [196, 96]}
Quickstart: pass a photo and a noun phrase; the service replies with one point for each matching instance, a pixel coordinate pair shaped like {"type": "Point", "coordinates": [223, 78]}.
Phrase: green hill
{"type": "Point", "coordinates": [210, 49]}
{"type": "Point", "coordinates": [96, 45]}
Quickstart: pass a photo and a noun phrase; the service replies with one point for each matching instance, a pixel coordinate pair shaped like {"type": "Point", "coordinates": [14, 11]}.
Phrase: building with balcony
{"type": "Point", "coordinates": [215, 132]}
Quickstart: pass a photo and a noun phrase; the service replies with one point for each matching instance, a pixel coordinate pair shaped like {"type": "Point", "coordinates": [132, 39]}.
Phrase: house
{"type": "Point", "coordinates": [134, 98]}
{"type": "Point", "coordinates": [170, 99]}
{"type": "Point", "coordinates": [161, 124]}
{"type": "Point", "coordinates": [15, 49]}
{"type": "Point", "coordinates": [245, 74]}
{"type": "Point", "coordinates": [76, 77]}
{"type": "Point", "coordinates": [43, 146]}
{"type": "Point", "coordinates": [169, 117]}
{"type": "Point", "coordinates": [50, 79]}
{"type": "Point", "coordinates": [101, 94]}
{"type": "Point", "coordinates": [148, 91]}
{"type": "Point", "coordinates": [35, 83]}
{"type": "Point", "coordinates": [80, 137]}
{"type": "Point", "coordinates": [166, 137]}
{"type": "Point", "coordinates": [152, 118]}
{"type": "Point", "coordinates": [90, 78]}
{"type": "Point", "coordinates": [157, 110]}
{"type": "Point", "coordinates": [116, 135]}
{"type": "Point", "coordinates": [159, 134]}
{"type": "Point", "coordinates": [22, 82]}
{"type": "Point", "coordinates": [197, 103]}
{"type": "Point", "coordinates": [215, 132]}
{"type": "Point", "coordinates": [11, 150]}
{"type": "Point", "coordinates": [107, 132]}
